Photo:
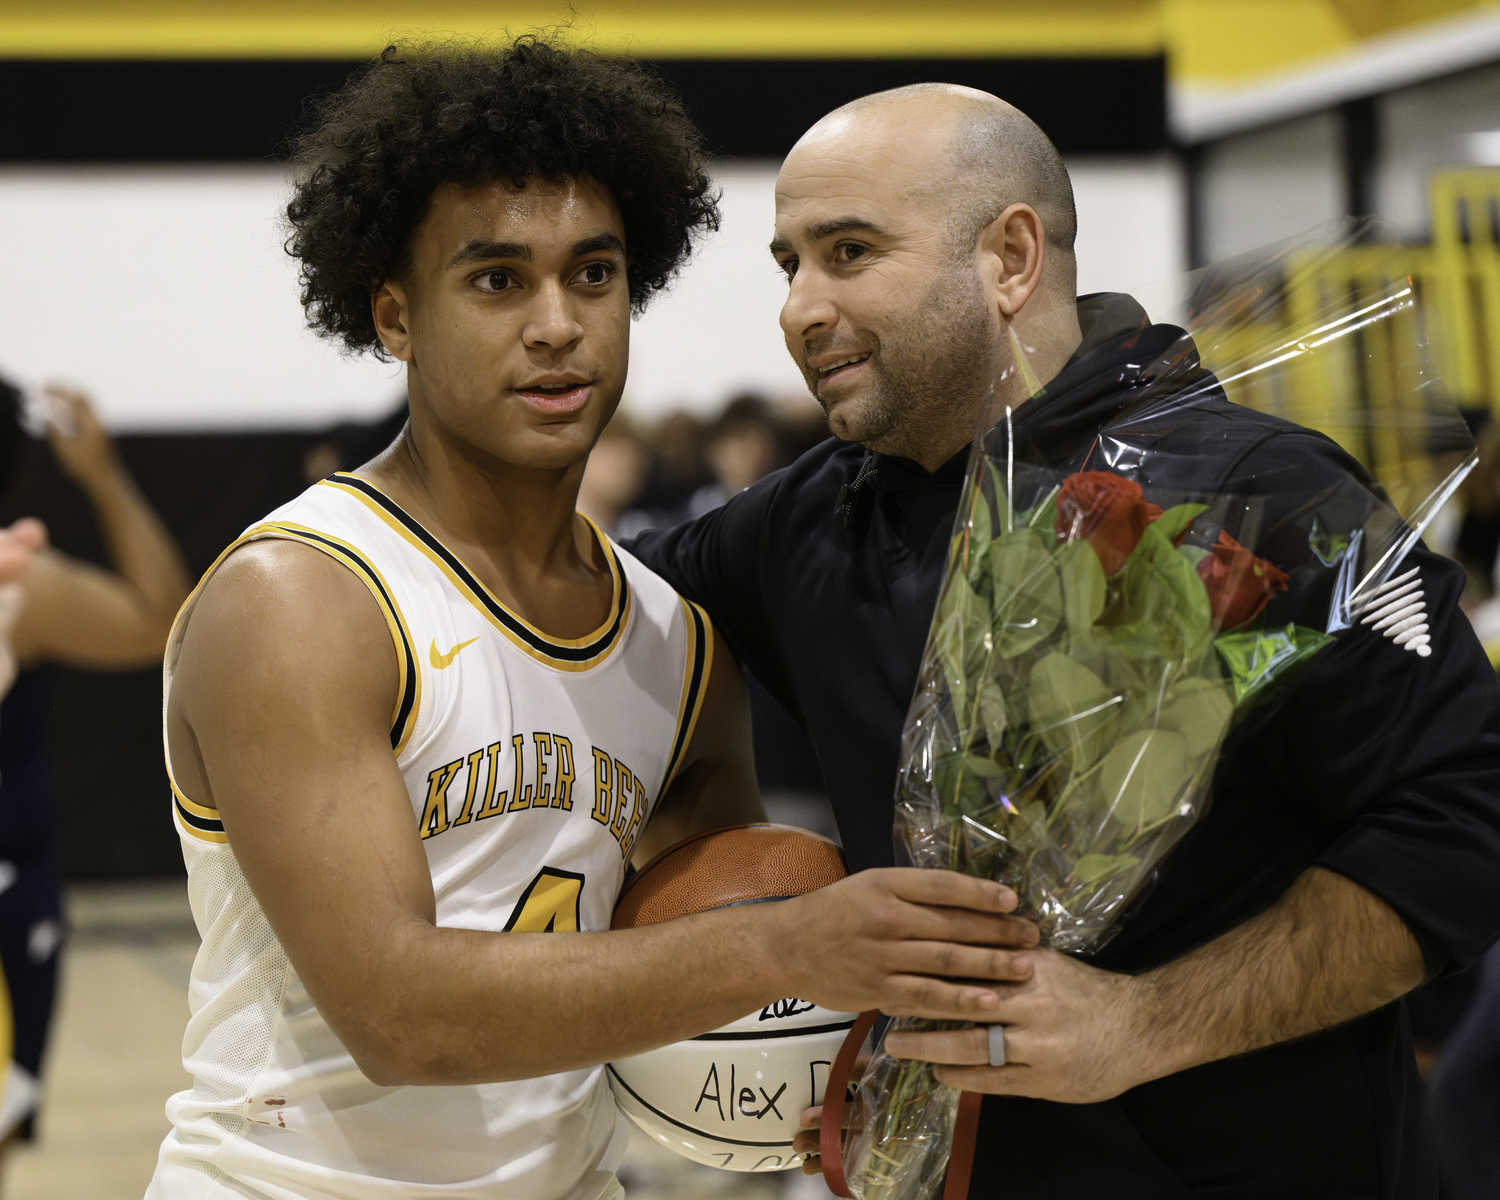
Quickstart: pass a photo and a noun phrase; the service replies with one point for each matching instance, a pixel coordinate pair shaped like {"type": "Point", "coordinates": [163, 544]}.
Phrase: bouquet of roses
{"type": "Point", "coordinates": [1088, 655]}
{"type": "Point", "coordinates": [1095, 640]}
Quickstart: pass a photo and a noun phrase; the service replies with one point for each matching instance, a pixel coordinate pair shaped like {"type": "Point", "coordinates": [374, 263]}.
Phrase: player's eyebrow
{"type": "Point", "coordinates": [826, 229]}
{"type": "Point", "coordinates": [480, 251]}
{"type": "Point", "coordinates": [600, 241]}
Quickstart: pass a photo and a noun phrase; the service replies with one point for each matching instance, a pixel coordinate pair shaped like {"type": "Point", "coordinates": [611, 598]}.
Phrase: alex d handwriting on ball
{"type": "Point", "coordinates": [743, 1102]}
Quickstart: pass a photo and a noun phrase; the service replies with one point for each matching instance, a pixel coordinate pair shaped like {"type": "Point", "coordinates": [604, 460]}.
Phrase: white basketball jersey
{"type": "Point", "coordinates": [532, 763]}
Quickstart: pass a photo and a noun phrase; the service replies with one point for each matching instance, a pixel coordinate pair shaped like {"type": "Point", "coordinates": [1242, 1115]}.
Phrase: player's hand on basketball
{"type": "Point", "coordinates": [1073, 1034]}
{"type": "Point", "coordinates": [83, 448]}
{"type": "Point", "coordinates": [908, 942]}
{"type": "Point", "coordinates": [808, 1141]}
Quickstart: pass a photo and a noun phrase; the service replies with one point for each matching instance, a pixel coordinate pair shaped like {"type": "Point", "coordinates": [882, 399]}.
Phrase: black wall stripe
{"type": "Point", "coordinates": [165, 111]}
{"type": "Point", "coordinates": [541, 645]}
{"type": "Point", "coordinates": [409, 694]}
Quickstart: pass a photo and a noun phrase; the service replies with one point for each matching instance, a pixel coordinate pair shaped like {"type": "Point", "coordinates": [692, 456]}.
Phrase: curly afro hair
{"type": "Point", "coordinates": [431, 113]}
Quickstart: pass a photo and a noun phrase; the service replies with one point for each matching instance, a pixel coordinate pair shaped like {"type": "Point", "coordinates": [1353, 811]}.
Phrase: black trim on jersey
{"type": "Point", "coordinates": [206, 824]}
{"type": "Point", "coordinates": [409, 693]}
{"type": "Point", "coordinates": [756, 1035]}
{"type": "Point", "coordinates": [718, 1137]}
{"type": "Point", "coordinates": [518, 628]}
{"type": "Point", "coordinates": [695, 685]}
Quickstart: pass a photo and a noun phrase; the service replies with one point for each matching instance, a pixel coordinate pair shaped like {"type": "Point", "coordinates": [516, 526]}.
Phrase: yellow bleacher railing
{"type": "Point", "coordinates": [1332, 338]}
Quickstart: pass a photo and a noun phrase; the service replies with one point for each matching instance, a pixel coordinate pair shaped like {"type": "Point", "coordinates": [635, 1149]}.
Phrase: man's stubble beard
{"type": "Point", "coordinates": [928, 376]}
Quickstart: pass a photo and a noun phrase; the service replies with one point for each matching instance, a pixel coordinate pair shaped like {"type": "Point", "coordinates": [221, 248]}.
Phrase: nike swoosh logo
{"type": "Point", "coordinates": [442, 660]}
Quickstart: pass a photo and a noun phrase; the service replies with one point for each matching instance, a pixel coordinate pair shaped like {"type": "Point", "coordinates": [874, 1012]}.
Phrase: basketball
{"type": "Point", "coordinates": [730, 1098]}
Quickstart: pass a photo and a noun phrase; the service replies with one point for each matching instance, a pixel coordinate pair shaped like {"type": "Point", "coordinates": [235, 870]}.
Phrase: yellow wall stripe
{"type": "Point", "coordinates": [121, 29]}
{"type": "Point", "coordinates": [1226, 41]}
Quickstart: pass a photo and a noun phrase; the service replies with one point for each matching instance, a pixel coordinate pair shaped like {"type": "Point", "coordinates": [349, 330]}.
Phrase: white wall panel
{"type": "Point", "coordinates": [165, 291]}
{"type": "Point", "coordinates": [1261, 187]}
{"type": "Point", "coordinates": [1424, 129]}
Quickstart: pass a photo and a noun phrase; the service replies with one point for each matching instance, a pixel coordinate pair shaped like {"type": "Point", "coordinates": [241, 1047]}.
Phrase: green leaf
{"type": "Point", "coordinates": [1028, 598]}
{"type": "Point", "coordinates": [1084, 586]}
{"type": "Point", "coordinates": [1073, 712]}
{"type": "Point", "coordinates": [985, 768]}
{"type": "Point", "coordinates": [955, 615]}
{"type": "Point", "coordinates": [980, 532]}
{"type": "Point", "coordinates": [1256, 658]}
{"type": "Point", "coordinates": [1179, 629]}
{"type": "Point", "coordinates": [1175, 521]}
{"type": "Point", "coordinates": [1199, 710]}
{"type": "Point", "coordinates": [1002, 501]}
{"type": "Point", "coordinates": [1094, 868]}
{"type": "Point", "coordinates": [992, 711]}
{"type": "Point", "coordinates": [1144, 773]}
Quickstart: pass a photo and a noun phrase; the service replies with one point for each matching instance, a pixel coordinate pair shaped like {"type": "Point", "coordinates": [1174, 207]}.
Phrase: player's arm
{"type": "Point", "coordinates": [716, 786]}
{"type": "Point", "coordinates": [75, 612]}
{"type": "Point", "coordinates": [279, 717]}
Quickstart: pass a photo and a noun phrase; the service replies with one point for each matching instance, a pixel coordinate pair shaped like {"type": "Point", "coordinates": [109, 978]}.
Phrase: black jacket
{"type": "Point", "coordinates": [1383, 766]}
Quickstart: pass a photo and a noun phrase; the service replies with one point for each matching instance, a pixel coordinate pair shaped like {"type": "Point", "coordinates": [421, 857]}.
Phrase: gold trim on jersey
{"type": "Point", "coordinates": [409, 675]}
{"type": "Point", "coordinates": [696, 669]}
{"type": "Point", "coordinates": [194, 819]}
{"type": "Point", "coordinates": [203, 823]}
{"type": "Point", "coordinates": [563, 654]}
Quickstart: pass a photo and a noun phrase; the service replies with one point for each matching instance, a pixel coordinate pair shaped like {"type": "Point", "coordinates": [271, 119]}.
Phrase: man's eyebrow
{"type": "Point", "coordinates": [480, 251]}
{"type": "Point", "coordinates": [825, 229]}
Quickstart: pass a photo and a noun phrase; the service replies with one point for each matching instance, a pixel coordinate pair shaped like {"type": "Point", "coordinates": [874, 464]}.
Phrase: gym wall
{"type": "Point", "coordinates": [140, 251]}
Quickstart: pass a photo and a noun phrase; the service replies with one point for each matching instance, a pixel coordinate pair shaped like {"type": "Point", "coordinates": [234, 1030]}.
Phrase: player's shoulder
{"type": "Point", "coordinates": [280, 588]}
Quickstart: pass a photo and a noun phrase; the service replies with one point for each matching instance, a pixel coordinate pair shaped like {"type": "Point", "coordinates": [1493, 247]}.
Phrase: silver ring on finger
{"type": "Point", "coordinates": [997, 1045]}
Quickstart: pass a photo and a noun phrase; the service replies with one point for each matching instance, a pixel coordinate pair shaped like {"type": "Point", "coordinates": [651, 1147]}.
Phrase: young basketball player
{"type": "Point", "coordinates": [419, 718]}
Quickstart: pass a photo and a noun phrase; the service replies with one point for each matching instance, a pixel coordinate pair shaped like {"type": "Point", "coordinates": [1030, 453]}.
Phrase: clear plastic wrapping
{"type": "Point", "coordinates": [1105, 621]}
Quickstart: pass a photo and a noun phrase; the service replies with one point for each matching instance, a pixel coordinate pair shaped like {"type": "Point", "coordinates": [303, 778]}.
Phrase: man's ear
{"type": "Point", "coordinates": [389, 307]}
{"type": "Point", "coordinates": [1012, 254]}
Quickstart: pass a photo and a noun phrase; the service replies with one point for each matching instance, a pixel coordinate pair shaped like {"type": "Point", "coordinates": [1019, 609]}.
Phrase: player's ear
{"type": "Point", "coordinates": [388, 306]}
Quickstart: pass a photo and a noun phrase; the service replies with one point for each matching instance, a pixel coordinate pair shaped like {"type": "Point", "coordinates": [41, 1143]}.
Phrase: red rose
{"type": "Point", "coordinates": [1238, 583]}
{"type": "Point", "coordinates": [1108, 511]}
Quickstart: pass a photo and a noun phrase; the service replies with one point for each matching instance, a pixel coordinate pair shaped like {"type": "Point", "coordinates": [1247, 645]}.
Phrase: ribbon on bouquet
{"type": "Point", "coordinates": [831, 1127]}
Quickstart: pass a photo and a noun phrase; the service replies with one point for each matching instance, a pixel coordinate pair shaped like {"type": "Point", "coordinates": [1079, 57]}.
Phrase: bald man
{"type": "Point", "coordinates": [1242, 1036]}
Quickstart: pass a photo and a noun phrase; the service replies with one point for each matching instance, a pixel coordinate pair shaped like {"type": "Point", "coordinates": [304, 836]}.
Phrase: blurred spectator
{"type": "Point", "coordinates": [614, 478]}
{"type": "Point", "coordinates": [352, 444]}
{"type": "Point", "coordinates": [802, 424]}
{"type": "Point", "coordinates": [74, 613]}
{"type": "Point", "coordinates": [678, 468]}
{"type": "Point", "coordinates": [742, 447]}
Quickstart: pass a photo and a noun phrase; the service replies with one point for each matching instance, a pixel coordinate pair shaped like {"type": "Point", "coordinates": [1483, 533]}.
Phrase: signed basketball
{"type": "Point", "coordinates": [731, 1098]}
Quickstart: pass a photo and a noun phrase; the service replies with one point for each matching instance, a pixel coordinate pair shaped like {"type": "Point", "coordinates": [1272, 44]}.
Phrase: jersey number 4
{"type": "Point", "coordinates": [549, 904]}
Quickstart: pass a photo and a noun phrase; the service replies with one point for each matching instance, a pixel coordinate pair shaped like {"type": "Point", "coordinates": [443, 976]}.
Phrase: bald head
{"type": "Point", "coordinates": [926, 235]}
{"type": "Point", "coordinates": [970, 152]}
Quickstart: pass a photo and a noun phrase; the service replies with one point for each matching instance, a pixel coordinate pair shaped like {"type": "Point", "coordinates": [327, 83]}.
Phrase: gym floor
{"type": "Point", "coordinates": [115, 1057]}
